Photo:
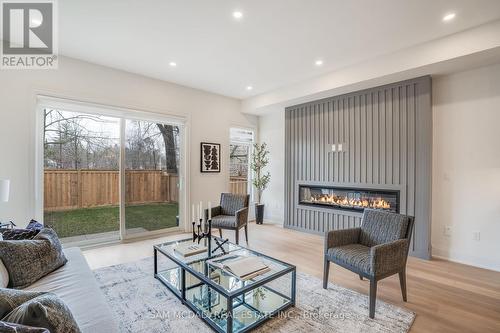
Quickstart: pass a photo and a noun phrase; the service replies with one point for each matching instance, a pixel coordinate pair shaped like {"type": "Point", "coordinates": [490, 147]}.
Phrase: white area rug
{"type": "Point", "coordinates": [142, 304]}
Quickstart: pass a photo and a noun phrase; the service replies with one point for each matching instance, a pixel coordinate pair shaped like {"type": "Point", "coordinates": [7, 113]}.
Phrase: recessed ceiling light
{"type": "Point", "coordinates": [449, 17]}
{"type": "Point", "coordinates": [173, 64]}
{"type": "Point", "coordinates": [249, 88]}
{"type": "Point", "coordinates": [237, 14]}
{"type": "Point", "coordinates": [318, 62]}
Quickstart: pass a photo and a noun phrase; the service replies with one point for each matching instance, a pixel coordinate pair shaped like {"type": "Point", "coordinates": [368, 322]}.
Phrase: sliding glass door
{"type": "Point", "coordinates": [81, 175]}
{"type": "Point", "coordinates": [152, 165]}
{"type": "Point", "coordinates": [107, 176]}
{"type": "Point", "coordinates": [241, 149]}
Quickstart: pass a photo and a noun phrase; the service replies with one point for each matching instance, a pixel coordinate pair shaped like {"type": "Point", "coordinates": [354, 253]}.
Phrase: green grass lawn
{"type": "Point", "coordinates": [103, 219]}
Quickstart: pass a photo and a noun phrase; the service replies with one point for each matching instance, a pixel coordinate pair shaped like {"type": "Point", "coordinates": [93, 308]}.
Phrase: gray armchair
{"type": "Point", "coordinates": [376, 250]}
{"type": "Point", "coordinates": [231, 214]}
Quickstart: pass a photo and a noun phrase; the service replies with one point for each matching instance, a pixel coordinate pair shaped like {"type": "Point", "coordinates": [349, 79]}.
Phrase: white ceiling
{"type": "Point", "coordinates": [274, 45]}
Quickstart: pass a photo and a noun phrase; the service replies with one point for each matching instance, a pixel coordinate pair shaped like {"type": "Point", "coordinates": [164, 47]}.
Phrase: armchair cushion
{"type": "Point", "coordinates": [223, 221]}
{"type": "Point", "coordinates": [341, 237]}
{"type": "Point", "coordinates": [355, 255]}
{"type": "Point", "coordinates": [379, 227]}
{"type": "Point", "coordinates": [242, 217]}
{"type": "Point", "coordinates": [231, 203]}
{"type": "Point", "coordinates": [389, 257]}
{"type": "Point", "coordinates": [215, 212]}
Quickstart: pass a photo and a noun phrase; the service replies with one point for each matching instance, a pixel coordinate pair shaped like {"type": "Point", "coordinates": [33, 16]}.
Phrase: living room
{"type": "Point", "coordinates": [239, 166]}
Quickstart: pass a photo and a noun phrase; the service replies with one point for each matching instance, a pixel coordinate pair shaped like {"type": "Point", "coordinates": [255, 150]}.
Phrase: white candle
{"type": "Point", "coordinates": [209, 210]}
{"type": "Point", "coordinates": [201, 210]}
{"type": "Point", "coordinates": [192, 214]}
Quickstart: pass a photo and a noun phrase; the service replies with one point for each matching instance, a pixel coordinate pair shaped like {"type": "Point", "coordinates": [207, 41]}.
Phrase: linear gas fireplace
{"type": "Point", "coordinates": [346, 198]}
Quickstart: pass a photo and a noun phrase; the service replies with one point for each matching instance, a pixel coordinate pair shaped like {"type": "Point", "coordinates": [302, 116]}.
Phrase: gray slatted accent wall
{"type": "Point", "coordinates": [387, 137]}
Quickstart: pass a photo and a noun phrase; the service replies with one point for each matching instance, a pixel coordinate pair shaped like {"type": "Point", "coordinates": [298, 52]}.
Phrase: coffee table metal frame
{"type": "Point", "coordinates": [230, 296]}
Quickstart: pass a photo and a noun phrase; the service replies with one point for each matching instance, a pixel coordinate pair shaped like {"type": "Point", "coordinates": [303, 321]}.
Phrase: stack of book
{"type": "Point", "coordinates": [242, 267]}
{"type": "Point", "coordinates": [187, 249]}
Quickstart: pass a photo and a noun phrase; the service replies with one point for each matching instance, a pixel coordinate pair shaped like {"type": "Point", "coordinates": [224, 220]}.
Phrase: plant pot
{"type": "Point", "coordinates": [259, 213]}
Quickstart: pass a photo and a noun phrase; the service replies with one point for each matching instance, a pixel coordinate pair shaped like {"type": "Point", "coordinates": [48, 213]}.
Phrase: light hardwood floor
{"type": "Point", "coordinates": [447, 297]}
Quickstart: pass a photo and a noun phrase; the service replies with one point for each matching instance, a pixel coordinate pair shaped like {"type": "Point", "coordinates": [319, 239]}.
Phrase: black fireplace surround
{"type": "Point", "coordinates": [349, 198]}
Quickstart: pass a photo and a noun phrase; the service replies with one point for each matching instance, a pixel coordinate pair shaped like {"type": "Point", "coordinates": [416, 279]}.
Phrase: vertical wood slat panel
{"type": "Point", "coordinates": [389, 138]}
{"type": "Point", "coordinates": [341, 129]}
{"type": "Point", "coordinates": [357, 139]}
{"type": "Point", "coordinates": [383, 136]}
{"type": "Point", "coordinates": [396, 136]}
{"type": "Point", "coordinates": [369, 139]}
{"type": "Point", "coordinates": [363, 133]}
{"type": "Point", "coordinates": [376, 137]}
{"type": "Point", "coordinates": [351, 139]}
{"type": "Point", "coordinates": [378, 129]}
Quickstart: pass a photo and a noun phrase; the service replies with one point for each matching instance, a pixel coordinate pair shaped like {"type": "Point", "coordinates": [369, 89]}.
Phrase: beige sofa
{"type": "Point", "coordinates": [75, 284]}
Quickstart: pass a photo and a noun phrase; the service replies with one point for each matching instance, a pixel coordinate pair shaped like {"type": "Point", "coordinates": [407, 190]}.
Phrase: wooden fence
{"type": "Point", "coordinates": [238, 185]}
{"type": "Point", "coordinates": [72, 189]}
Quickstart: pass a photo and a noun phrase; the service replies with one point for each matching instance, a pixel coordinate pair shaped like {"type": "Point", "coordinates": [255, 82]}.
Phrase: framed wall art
{"type": "Point", "coordinates": [210, 157]}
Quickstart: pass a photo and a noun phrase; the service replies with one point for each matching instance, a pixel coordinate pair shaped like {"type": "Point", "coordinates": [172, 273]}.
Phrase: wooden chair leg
{"type": "Point", "coordinates": [220, 232]}
{"type": "Point", "coordinates": [246, 232]}
{"type": "Point", "coordinates": [361, 278]}
{"type": "Point", "coordinates": [237, 237]}
{"type": "Point", "coordinates": [373, 297]}
{"type": "Point", "coordinates": [402, 282]}
{"type": "Point", "coordinates": [326, 271]}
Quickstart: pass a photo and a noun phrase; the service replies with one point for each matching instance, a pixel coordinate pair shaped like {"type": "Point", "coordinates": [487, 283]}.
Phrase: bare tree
{"type": "Point", "coordinates": [78, 141]}
{"type": "Point", "coordinates": [168, 133]}
{"type": "Point", "coordinates": [70, 144]}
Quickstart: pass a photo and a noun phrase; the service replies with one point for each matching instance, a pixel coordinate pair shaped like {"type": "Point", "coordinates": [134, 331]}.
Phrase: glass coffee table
{"type": "Point", "coordinates": [223, 301]}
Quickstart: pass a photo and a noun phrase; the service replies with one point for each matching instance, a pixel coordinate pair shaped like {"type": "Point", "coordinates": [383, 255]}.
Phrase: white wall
{"type": "Point", "coordinates": [210, 118]}
{"type": "Point", "coordinates": [472, 47]}
{"type": "Point", "coordinates": [466, 166]}
{"type": "Point", "coordinates": [271, 131]}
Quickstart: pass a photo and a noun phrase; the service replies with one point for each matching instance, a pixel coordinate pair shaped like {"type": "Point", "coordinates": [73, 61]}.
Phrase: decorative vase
{"type": "Point", "coordinates": [259, 213]}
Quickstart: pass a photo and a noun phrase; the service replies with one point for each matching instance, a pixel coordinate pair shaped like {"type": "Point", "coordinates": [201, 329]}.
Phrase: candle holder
{"type": "Point", "coordinates": [205, 234]}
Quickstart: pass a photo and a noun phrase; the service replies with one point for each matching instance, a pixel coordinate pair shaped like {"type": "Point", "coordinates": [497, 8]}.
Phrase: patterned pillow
{"type": "Point", "coordinates": [29, 260]}
{"type": "Point", "coordinates": [35, 225]}
{"type": "Point", "coordinates": [18, 234]}
{"type": "Point", "coordinates": [4, 276]}
{"type": "Point", "coordinates": [12, 298]}
{"type": "Point", "coordinates": [38, 309]}
{"type": "Point", "coordinates": [16, 328]}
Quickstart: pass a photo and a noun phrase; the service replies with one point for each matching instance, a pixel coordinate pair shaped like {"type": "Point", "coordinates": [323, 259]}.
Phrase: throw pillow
{"type": "Point", "coordinates": [29, 260]}
{"type": "Point", "coordinates": [4, 276]}
{"type": "Point", "coordinates": [18, 234]}
{"type": "Point", "coordinates": [12, 298]}
{"type": "Point", "coordinates": [47, 311]}
{"type": "Point", "coordinates": [16, 328]}
{"type": "Point", "coordinates": [35, 225]}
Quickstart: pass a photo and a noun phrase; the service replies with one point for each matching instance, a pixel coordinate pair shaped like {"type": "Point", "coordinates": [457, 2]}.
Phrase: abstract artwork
{"type": "Point", "coordinates": [210, 157]}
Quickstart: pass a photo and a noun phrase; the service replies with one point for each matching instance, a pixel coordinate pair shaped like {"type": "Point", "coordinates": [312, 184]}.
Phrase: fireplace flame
{"type": "Point", "coordinates": [343, 201]}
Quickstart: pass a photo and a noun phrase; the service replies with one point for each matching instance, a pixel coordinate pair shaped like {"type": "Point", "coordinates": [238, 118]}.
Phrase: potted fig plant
{"type": "Point", "coordinates": [260, 160]}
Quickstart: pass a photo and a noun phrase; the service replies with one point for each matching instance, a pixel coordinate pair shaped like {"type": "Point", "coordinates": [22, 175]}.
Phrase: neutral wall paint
{"type": "Point", "coordinates": [209, 118]}
{"type": "Point", "coordinates": [271, 132]}
{"type": "Point", "coordinates": [466, 165]}
{"type": "Point", "coordinates": [479, 45]}
{"type": "Point", "coordinates": [466, 170]}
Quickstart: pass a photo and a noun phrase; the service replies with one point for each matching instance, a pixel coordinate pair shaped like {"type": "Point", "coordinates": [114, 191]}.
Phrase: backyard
{"type": "Point", "coordinates": [87, 221]}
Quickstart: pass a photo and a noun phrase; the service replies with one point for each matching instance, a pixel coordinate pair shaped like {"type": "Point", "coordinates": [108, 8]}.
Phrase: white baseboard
{"type": "Point", "coordinates": [273, 221]}
{"type": "Point", "coordinates": [464, 259]}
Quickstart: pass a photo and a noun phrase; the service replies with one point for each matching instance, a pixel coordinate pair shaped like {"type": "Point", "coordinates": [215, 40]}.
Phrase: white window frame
{"type": "Point", "coordinates": [123, 114]}
{"type": "Point", "coordinates": [250, 174]}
